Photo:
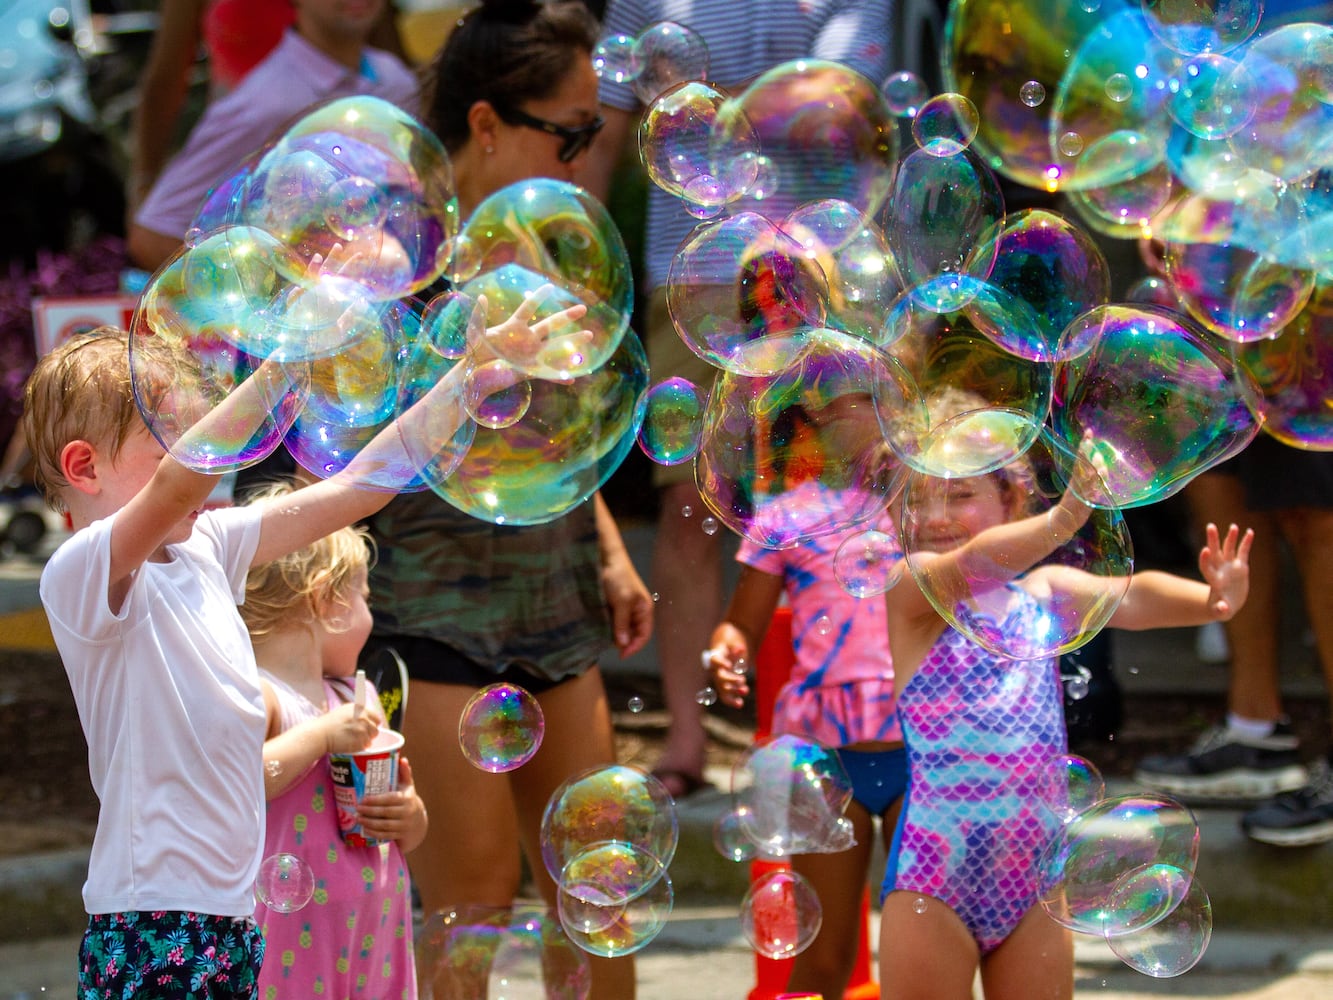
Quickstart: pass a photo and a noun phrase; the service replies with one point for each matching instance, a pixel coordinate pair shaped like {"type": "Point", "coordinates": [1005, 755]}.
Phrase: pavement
{"type": "Point", "coordinates": [1272, 908]}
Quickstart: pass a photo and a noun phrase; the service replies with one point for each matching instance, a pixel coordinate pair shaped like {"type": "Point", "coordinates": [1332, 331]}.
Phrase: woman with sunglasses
{"type": "Point", "coordinates": [466, 602]}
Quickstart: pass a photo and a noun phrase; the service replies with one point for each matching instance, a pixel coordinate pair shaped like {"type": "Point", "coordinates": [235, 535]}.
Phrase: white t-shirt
{"type": "Point", "coordinates": [168, 694]}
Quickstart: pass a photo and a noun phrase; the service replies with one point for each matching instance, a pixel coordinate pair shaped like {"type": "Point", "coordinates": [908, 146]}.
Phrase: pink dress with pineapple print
{"type": "Point", "coordinates": [354, 937]}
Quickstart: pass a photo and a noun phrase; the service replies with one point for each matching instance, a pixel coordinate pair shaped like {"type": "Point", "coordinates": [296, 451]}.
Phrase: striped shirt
{"type": "Point", "coordinates": [745, 38]}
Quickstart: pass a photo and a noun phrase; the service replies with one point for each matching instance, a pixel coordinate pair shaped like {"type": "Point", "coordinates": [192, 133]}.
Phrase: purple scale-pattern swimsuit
{"type": "Point", "coordinates": [981, 731]}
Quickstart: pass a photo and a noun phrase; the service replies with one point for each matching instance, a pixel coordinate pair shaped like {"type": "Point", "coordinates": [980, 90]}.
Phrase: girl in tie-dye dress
{"type": "Point", "coordinates": [308, 618]}
{"type": "Point", "coordinates": [980, 728]}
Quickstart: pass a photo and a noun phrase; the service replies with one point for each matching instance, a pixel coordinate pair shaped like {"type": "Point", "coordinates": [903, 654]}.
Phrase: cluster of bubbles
{"type": "Point", "coordinates": [306, 311]}
{"type": "Point", "coordinates": [1122, 868]}
{"type": "Point", "coordinates": [885, 331]}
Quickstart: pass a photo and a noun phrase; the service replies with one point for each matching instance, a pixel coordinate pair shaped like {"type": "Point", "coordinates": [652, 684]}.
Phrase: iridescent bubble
{"type": "Point", "coordinates": [793, 791]}
{"type": "Point", "coordinates": [500, 728]}
{"type": "Point", "coordinates": [867, 563]}
{"type": "Point", "coordinates": [360, 188]}
{"type": "Point", "coordinates": [574, 434]}
{"type": "Point", "coordinates": [612, 58]}
{"type": "Point", "coordinates": [687, 155]}
{"type": "Point", "coordinates": [285, 883]}
{"type": "Point", "coordinates": [1133, 184]}
{"type": "Point", "coordinates": [1214, 97]}
{"type": "Point", "coordinates": [856, 260]}
{"type": "Point", "coordinates": [1014, 606]}
{"type": "Point", "coordinates": [1069, 144]}
{"type": "Point", "coordinates": [449, 322]}
{"type": "Point", "coordinates": [1080, 868]}
{"type": "Point", "coordinates": [432, 432]}
{"type": "Point", "coordinates": [729, 837]}
{"type": "Point", "coordinates": [800, 453]}
{"type": "Point", "coordinates": [706, 696]}
{"type": "Point", "coordinates": [1161, 402]}
{"type": "Point", "coordinates": [827, 130]}
{"type": "Point", "coordinates": [495, 395]}
{"type": "Point", "coordinates": [1190, 28]}
{"type": "Point", "coordinates": [905, 92]}
{"type": "Point", "coordinates": [1293, 373]}
{"type": "Point", "coordinates": [1219, 258]}
{"type": "Point", "coordinates": [635, 704]}
{"type": "Point", "coordinates": [781, 914]}
{"type": "Point", "coordinates": [518, 953]}
{"type": "Point", "coordinates": [214, 407]}
{"type": "Point", "coordinates": [1153, 291]}
{"type": "Point", "coordinates": [672, 421]}
{"type": "Point", "coordinates": [1287, 136]}
{"type": "Point", "coordinates": [1171, 918]}
{"type": "Point", "coordinates": [665, 54]}
{"type": "Point", "coordinates": [1032, 93]}
{"type": "Point", "coordinates": [542, 232]}
{"type": "Point", "coordinates": [614, 803]}
{"type": "Point", "coordinates": [1069, 784]}
{"type": "Point", "coordinates": [940, 211]}
{"type": "Point", "coordinates": [613, 899]}
{"type": "Point", "coordinates": [946, 124]}
{"type": "Point", "coordinates": [1046, 273]}
{"type": "Point", "coordinates": [738, 282]}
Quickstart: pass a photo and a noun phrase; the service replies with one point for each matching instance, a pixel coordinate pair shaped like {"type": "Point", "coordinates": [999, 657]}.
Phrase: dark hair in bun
{"type": "Point", "coordinates": [505, 52]}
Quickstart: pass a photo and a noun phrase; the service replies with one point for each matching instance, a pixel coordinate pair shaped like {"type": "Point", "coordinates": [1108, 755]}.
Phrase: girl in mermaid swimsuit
{"type": "Point", "coordinates": [961, 887]}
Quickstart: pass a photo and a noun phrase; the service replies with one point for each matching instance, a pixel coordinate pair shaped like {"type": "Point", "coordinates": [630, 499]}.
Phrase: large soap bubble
{"type": "Point", "coordinates": [1011, 606]}
{"type": "Point", "coordinates": [1161, 401]}
{"type": "Point", "coordinates": [1170, 920]}
{"type": "Point", "coordinates": [781, 914]}
{"type": "Point", "coordinates": [1294, 372]}
{"type": "Point", "coordinates": [213, 406]}
{"type": "Point", "coordinates": [665, 54]}
{"type": "Point", "coordinates": [500, 728]}
{"type": "Point", "coordinates": [548, 232]}
{"type": "Point", "coordinates": [738, 281]}
{"type": "Point", "coordinates": [359, 182]}
{"type": "Point", "coordinates": [791, 794]}
{"type": "Point", "coordinates": [504, 953]}
{"type": "Point", "coordinates": [614, 898]}
{"type": "Point", "coordinates": [1081, 867]}
{"type": "Point", "coordinates": [800, 453]}
{"type": "Point", "coordinates": [565, 446]}
{"type": "Point", "coordinates": [615, 803]}
{"type": "Point", "coordinates": [827, 131]}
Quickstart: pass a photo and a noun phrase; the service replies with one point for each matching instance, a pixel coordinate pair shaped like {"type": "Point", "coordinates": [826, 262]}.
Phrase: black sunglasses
{"type": "Point", "coordinates": [574, 140]}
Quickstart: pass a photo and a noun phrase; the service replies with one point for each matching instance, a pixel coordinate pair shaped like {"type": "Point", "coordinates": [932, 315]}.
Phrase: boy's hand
{"type": "Point", "coordinates": [398, 815]}
{"type": "Point", "coordinates": [1225, 565]}
{"type": "Point", "coordinates": [346, 730]}
{"type": "Point", "coordinates": [726, 662]}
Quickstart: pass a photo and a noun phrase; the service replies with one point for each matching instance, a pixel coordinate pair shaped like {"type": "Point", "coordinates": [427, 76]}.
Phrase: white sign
{"type": "Point", "coordinates": [57, 319]}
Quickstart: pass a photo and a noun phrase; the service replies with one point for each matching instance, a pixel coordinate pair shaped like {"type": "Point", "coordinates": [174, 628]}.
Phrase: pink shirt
{"type": "Point", "coordinates": [293, 77]}
{"type": "Point", "coordinates": [841, 642]}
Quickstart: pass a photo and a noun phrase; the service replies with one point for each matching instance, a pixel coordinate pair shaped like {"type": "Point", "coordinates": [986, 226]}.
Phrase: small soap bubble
{"type": "Point", "coordinates": [919, 904]}
{"type": "Point", "coordinates": [501, 728]}
{"type": "Point", "coordinates": [687, 511]}
{"type": "Point", "coordinates": [1032, 93]}
{"type": "Point", "coordinates": [272, 768]}
{"type": "Point", "coordinates": [1119, 87]}
{"type": "Point", "coordinates": [730, 839]}
{"type": "Point", "coordinates": [781, 914]}
{"type": "Point", "coordinates": [1070, 143]}
{"type": "Point", "coordinates": [285, 883]}
{"type": "Point", "coordinates": [1076, 687]}
{"type": "Point", "coordinates": [823, 625]}
{"type": "Point", "coordinates": [709, 525]}
{"type": "Point", "coordinates": [706, 696]}
{"type": "Point", "coordinates": [635, 704]}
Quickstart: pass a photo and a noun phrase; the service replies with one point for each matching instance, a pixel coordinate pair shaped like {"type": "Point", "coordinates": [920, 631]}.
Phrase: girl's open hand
{"type": "Point", "coordinates": [523, 342]}
{"type": "Point", "coordinates": [1225, 565]}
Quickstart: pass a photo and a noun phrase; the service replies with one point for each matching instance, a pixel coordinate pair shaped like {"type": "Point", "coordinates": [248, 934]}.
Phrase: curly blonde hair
{"type": "Point", "coordinates": [301, 586]}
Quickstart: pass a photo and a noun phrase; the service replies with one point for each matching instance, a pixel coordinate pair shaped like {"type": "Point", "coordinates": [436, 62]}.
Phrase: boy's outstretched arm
{"type": "Point", "coordinates": [311, 512]}
{"type": "Point", "coordinates": [1164, 600]}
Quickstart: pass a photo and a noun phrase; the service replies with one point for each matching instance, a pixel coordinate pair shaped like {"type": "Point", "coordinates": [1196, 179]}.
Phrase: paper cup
{"type": "Point", "coordinates": [371, 771]}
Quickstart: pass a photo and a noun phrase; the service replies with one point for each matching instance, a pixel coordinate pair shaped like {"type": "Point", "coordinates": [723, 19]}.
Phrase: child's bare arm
{"type": "Point", "coordinates": [311, 512]}
{"type": "Point", "coordinates": [738, 636]}
{"type": "Point", "coordinates": [1164, 600]}
{"type": "Point", "coordinates": [399, 815]}
{"type": "Point", "coordinates": [291, 753]}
